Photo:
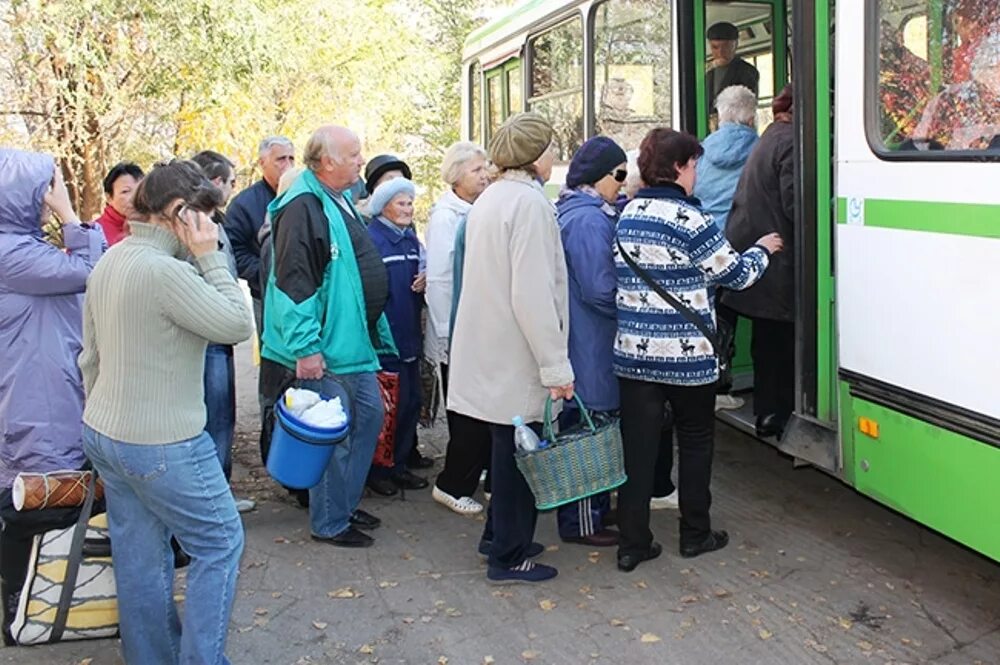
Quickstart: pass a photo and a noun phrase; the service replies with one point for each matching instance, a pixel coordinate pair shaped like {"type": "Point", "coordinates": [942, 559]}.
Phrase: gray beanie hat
{"type": "Point", "coordinates": [520, 140]}
{"type": "Point", "coordinates": [387, 191]}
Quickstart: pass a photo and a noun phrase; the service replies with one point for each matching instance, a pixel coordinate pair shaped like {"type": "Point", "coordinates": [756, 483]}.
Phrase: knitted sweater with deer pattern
{"type": "Point", "coordinates": [667, 234]}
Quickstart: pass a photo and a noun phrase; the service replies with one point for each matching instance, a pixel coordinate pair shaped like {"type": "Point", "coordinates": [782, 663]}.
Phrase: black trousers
{"type": "Point", "coordinates": [511, 516]}
{"type": "Point", "coordinates": [468, 451]}
{"type": "Point", "coordinates": [693, 409]}
{"type": "Point", "coordinates": [773, 349]}
{"type": "Point", "coordinates": [663, 484]}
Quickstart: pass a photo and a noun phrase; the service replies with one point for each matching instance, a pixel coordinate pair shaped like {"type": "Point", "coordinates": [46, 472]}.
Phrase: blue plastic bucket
{"type": "Point", "coordinates": [300, 452]}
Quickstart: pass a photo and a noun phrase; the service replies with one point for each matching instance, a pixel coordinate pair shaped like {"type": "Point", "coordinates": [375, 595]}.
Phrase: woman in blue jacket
{"type": "Point", "coordinates": [391, 229]}
{"type": "Point", "coordinates": [587, 218]}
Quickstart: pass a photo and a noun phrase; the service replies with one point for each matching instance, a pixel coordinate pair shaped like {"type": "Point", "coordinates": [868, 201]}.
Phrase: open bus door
{"type": "Point", "coordinates": [774, 36]}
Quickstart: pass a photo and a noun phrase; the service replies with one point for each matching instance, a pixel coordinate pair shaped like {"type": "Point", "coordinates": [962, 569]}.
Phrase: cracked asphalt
{"type": "Point", "coordinates": [815, 573]}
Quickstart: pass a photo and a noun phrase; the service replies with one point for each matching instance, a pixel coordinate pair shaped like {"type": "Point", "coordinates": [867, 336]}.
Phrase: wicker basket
{"type": "Point", "coordinates": [578, 463]}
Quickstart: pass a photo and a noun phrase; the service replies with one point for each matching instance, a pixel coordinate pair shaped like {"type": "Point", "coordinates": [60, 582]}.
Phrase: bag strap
{"type": "Point", "coordinates": [685, 311]}
{"type": "Point", "coordinates": [73, 562]}
{"type": "Point", "coordinates": [548, 430]}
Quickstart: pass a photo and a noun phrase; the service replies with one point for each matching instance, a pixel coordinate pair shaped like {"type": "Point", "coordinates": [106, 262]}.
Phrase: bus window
{"type": "Point", "coordinates": [632, 87]}
{"type": "Point", "coordinates": [515, 91]}
{"type": "Point", "coordinates": [476, 119]}
{"type": "Point", "coordinates": [740, 43]}
{"type": "Point", "coordinates": [557, 83]}
{"type": "Point", "coordinates": [938, 75]}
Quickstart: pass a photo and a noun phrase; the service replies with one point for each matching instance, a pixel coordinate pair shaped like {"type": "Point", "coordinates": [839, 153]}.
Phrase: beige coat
{"type": "Point", "coordinates": [511, 327]}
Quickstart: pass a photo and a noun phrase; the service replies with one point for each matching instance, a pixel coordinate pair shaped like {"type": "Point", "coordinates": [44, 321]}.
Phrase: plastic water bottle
{"type": "Point", "coordinates": [525, 438]}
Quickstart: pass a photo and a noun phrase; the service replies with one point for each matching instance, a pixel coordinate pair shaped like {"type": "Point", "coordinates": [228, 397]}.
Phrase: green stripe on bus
{"type": "Point", "coordinates": [967, 219]}
{"type": "Point", "coordinates": [496, 25]}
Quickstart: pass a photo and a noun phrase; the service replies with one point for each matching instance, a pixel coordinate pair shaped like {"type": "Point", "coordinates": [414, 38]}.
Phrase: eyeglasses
{"type": "Point", "coordinates": [619, 175]}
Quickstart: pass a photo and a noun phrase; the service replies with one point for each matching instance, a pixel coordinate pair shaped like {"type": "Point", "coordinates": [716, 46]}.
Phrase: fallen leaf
{"type": "Point", "coordinates": [552, 548]}
{"type": "Point", "coordinates": [241, 629]}
{"type": "Point", "coordinates": [408, 620]}
{"type": "Point", "coordinates": [387, 585]}
{"type": "Point", "coordinates": [319, 625]}
{"type": "Point", "coordinates": [405, 556]}
{"type": "Point", "coordinates": [721, 593]}
{"type": "Point", "coordinates": [641, 585]}
{"type": "Point", "coordinates": [86, 661]}
{"type": "Point", "coordinates": [594, 557]}
{"type": "Point", "coordinates": [649, 638]}
{"type": "Point", "coordinates": [690, 598]}
{"type": "Point", "coordinates": [276, 594]}
{"type": "Point", "coordinates": [443, 660]}
{"type": "Point", "coordinates": [528, 654]}
{"type": "Point", "coordinates": [753, 609]}
{"type": "Point", "coordinates": [547, 605]}
{"type": "Point", "coordinates": [584, 590]}
{"type": "Point", "coordinates": [344, 592]}
{"type": "Point", "coordinates": [765, 634]}
{"type": "Point", "coordinates": [503, 594]}
{"type": "Point", "coordinates": [865, 645]}
{"type": "Point", "coordinates": [816, 646]}
{"type": "Point", "coordinates": [617, 623]}
{"type": "Point", "coordinates": [488, 660]}
{"type": "Point", "coordinates": [452, 612]}
{"type": "Point", "coordinates": [281, 539]}
{"type": "Point", "coordinates": [366, 648]}
{"type": "Point", "coordinates": [845, 623]}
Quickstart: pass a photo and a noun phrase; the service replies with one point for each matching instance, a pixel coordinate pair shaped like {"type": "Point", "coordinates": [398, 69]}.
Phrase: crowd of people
{"type": "Point", "coordinates": [612, 294]}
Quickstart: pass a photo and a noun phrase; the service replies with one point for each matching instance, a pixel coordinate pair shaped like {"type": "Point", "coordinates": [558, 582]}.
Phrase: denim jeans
{"type": "Point", "coordinates": [338, 493]}
{"type": "Point", "coordinates": [154, 491]}
{"type": "Point", "coordinates": [220, 402]}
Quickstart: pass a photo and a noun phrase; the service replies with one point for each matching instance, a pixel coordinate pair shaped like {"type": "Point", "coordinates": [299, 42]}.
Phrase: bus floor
{"type": "Point", "coordinates": [814, 573]}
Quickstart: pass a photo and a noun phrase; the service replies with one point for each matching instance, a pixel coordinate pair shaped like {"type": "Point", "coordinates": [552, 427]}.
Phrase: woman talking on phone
{"type": "Point", "coordinates": [148, 316]}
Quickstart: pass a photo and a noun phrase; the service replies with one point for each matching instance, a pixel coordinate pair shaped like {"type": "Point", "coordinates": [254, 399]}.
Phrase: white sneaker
{"type": "Point", "coordinates": [728, 402]}
{"type": "Point", "coordinates": [245, 505]}
{"type": "Point", "coordinates": [465, 505]}
{"type": "Point", "coordinates": [668, 502]}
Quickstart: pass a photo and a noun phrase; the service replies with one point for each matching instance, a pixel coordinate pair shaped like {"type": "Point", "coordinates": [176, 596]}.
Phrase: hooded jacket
{"type": "Point", "coordinates": [726, 152]}
{"type": "Point", "coordinates": [588, 237]}
{"type": "Point", "coordinates": [41, 297]}
{"type": "Point", "coordinates": [442, 228]}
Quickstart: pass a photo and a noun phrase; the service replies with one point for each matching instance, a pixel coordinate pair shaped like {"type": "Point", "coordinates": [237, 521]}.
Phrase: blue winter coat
{"type": "Point", "coordinates": [401, 255]}
{"type": "Point", "coordinates": [41, 321]}
{"type": "Point", "coordinates": [726, 152]}
{"type": "Point", "coordinates": [588, 236]}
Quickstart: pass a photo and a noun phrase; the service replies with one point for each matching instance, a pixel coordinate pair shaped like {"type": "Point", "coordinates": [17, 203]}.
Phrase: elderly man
{"type": "Point", "coordinates": [727, 68]}
{"type": "Point", "coordinates": [245, 214]}
{"type": "Point", "coordinates": [325, 298]}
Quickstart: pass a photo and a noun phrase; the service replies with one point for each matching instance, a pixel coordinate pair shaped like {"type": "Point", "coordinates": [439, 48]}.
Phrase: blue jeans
{"type": "Point", "coordinates": [220, 402]}
{"type": "Point", "coordinates": [154, 491]}
{"type": "Point", "coordinates": [336, 497]}
{"type": "Point", "coordinates": [407, 416]}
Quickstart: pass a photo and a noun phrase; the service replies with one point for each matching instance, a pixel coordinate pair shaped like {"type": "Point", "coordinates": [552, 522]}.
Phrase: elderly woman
{"type": "Point", "coordinates": [148, 317]}
{"type": "Point", "coordinates": [41, 298]}
{"type": "Point", "coordinates": [509, 349]}
{"type": "Point", "coordinates": [468, 451]}
{"type": "Point", "coordinates": [765, 203]}
{"type": "Point", "coordinates": [671, 256]}
{"type": "Point", "coordinates": [391, 229]}
{"type": "Point", "coordinates": [587, 219]}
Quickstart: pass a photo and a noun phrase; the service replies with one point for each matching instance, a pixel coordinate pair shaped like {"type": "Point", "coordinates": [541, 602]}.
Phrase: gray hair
{"type": "Point", "coordinates": [272, 141]}
{"type": "Point", "coordinates": [737, 103]}
{"type": "Point", "coordinates": [455, 158]}
{"type": "Point", "coordinates": [327, 141]}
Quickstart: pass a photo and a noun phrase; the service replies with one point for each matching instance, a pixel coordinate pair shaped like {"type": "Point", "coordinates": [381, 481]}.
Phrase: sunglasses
{"type": "Point", "coordinates": [619, 175]}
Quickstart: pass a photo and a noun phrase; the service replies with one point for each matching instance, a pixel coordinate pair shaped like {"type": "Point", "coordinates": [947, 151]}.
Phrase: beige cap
{"type": "Point", "coordinates": [520, 140]}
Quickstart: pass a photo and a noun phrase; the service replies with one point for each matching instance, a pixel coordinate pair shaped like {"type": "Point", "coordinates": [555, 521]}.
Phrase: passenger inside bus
{"type": "Point", "coordinates": [727, 68]}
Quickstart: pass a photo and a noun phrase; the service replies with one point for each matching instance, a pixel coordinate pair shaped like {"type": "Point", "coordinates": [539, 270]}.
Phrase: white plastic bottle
{"type": "Point", "coordinates": [525, 438]}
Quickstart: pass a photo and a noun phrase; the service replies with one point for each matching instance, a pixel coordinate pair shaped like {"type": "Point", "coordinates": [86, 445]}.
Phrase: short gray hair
{"type": "Point", "coordinates": [456, 157]}
{"type": "Point", "coordinates": [272, 141]}
{"type": "Point", "coordinates": [737, 103]}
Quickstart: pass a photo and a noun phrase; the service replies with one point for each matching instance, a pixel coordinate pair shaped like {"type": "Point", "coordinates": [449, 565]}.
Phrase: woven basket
{"type": "Point", "coordinates": [578, 463]}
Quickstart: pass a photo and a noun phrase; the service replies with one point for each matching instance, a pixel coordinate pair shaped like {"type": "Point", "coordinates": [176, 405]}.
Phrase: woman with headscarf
{"type": "Point", "coordinates": [765, 203]}
{"type": "Point", "coordinates": [509, 349]}
{"type": "Point", "coordinates": [587, 219]}
{"type": "Point", "coordinates": [41, 391]}
{"type": "Point", "coordinates": [391, 229]}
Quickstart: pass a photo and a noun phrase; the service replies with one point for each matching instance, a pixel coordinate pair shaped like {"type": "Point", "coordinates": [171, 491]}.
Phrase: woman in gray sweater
{"type": "Point", "coordinates": [148, 316]}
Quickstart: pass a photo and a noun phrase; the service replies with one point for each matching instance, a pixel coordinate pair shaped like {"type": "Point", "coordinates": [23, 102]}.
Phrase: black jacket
{"type": "Point", "coordinates": [765, 203]}
{"type": "Point", "coordinates": [739, 72]}
{"type": "Point", "coordinates": [244, 217]}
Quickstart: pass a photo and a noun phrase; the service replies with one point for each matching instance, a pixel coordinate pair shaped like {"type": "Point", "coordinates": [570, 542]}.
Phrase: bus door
{"type": "Point", "coordinates": [771, 35]}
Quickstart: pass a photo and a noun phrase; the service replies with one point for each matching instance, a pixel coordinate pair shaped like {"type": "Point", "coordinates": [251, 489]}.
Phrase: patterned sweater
{"type": "Point", "coordinates": [666, 233]}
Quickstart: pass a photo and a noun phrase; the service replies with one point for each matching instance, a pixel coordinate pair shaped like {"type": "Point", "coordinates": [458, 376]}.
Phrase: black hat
{"type": "Point", "coordinates": [377, 166]}
{"type": "Point", "coordinates": [594, 160]}
{"type": "Point", "coordinates": [724, 31]}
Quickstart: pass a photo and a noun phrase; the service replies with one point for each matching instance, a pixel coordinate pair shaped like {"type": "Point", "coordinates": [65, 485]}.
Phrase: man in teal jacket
{"type": "Point", "coordinates": [324, 324]}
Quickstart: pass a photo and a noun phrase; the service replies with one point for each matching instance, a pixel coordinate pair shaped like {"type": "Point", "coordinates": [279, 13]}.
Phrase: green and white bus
{"type": "Point", "coordinates": [898, 208]}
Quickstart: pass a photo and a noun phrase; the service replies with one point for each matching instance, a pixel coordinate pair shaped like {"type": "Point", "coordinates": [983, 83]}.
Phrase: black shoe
{"type": "Point", "coordinates": [715, 540]}
{"type": "Point", "coordinates": [383, 486]}
{"type": "Point", "coordinates": [603, 538]}
{"type": "Point", "coordinates": [418, 461]}
{"type": "Point", "coordinates": [362, 520]}
{"type": "Point", "coordinates": [770, 424]}
{"type": "Point", "coordinates": [410, 481]}
{"type": "Point", "coordinates": [628, 562]}
{"type": "Point", "coordinates": [349, 538]}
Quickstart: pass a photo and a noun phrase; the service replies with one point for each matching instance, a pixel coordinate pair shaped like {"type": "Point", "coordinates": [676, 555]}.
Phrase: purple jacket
{"type": "Point", "coordinates": [41, 298]}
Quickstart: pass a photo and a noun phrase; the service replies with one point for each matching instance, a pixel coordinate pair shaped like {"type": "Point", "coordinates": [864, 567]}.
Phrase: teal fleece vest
{"type": "Point", "coordinates": [332, 320]}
